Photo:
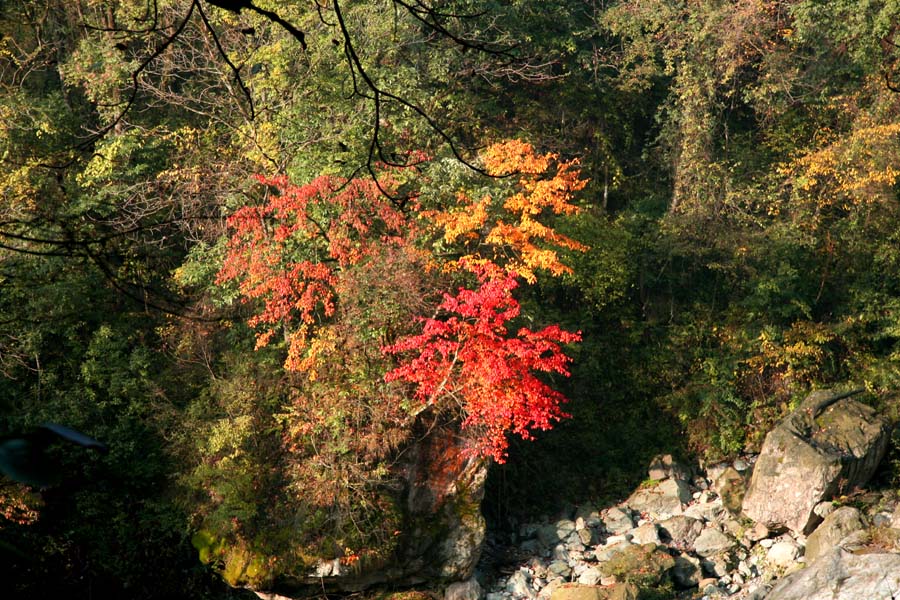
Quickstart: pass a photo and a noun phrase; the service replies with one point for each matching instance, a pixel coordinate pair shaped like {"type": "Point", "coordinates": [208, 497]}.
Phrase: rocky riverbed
{"type": "Point", "coordinates": [685, 532]}
{"type": "Point", "coordinates": [673, 537]}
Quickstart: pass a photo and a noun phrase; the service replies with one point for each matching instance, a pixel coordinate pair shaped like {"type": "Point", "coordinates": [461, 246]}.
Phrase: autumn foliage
{"type": "Point", "coordinates": [510, 227]}
{"type": "Point", "coordinates": [470, 356]}
{"type": "Point", "coordinates": [289, 252]}
{"type": "Point", "coordinates": [301, 253]}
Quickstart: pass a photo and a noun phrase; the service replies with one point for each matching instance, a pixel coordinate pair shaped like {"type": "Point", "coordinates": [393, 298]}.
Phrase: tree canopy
{"type": "Point", "coordinates": [255, 247]}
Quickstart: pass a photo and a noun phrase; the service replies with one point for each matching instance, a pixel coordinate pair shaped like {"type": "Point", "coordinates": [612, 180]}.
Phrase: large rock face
{"type": "Point", "coordinates": [838, 575]}
{"type": "Point", "coordinates": [445, 488]}
{"type": "Point", "coordinates": [830, 444]}
{"type": "Point", "coordinates": [441, 541]}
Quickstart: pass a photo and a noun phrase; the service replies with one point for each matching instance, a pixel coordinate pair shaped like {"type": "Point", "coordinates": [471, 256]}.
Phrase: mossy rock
{"type": "Point", "coordinates": [578, 591]}
{"type": "Point", "coordinates": [731, 487]}
{"type": "Point", "coordinates": [209, 547]}
{"type": "Point", "coordinates": [646, 565]}
{"type": "Point", "coordinates": [244, 568]}
{"type": "Point", "coordinates": [240, 566]}
{"type": "Point", "coordinates": [405, 595]}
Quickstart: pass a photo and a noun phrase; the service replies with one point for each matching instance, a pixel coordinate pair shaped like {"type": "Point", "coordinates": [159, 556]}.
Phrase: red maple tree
{"type": "Point", "coordinates": [470, 356]}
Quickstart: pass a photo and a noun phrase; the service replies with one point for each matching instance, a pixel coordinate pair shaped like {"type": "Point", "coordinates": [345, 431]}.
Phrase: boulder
{"type": "Point", "coordinates": [617, 521]}
{"type": "Point", "coordinates": [783, 554]}
{"type": "Point", "coordinates": [519, 585]}
{"type": "Point", "coordinates": [830, 444]}
{"type": "Point", "coordinates": [661, 501]}
{"type": "Point", "coordinates": [575, 591]}
{"type": "Point", "coordinates": [681, 530]}
{"type": "Point", "coordinates": [756, 533]}
{"type": "Point", "coordinates": [712, 541]}
{"type": "Point", "coordinates": [645, 565]}
{"type": "Point", "coordinates": [605, 553]}
{"type": "Point", "coordinates": [836, 526]}
{"type": "Point", "coordinates": [719, 565]}
{"type": "Point", "coordinates": [710, 511]}
{"type": "Point", "coordinates": [686, 573]}
{"type": "Point", "coordinates": [648, 533]}
{"type": "Point", "coordinates": [664, 466]}
{"type": "Point", "coordinates": [590, 576]}
{"type": "Point", "coordinates": [464, 590]}
{"type": "Point", "coordinates": [560, 567]}
{"type": "Point", "coordinates": [839, 575]}
{"type": "Point", "coordinates": [731, 487]}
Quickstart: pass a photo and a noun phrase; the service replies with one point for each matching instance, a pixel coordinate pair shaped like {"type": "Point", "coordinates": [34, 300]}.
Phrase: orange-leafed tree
{"type": "Point", "coordinates": [510, 223]}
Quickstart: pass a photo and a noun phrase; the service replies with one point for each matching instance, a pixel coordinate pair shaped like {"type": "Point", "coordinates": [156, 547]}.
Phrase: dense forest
{"type": "Point", "coordinates": [253, 247]}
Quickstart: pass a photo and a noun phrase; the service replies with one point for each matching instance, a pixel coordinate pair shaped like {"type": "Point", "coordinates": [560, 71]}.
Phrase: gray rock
{"type": "Point", "coordinates": [561, 568]}
{"type": "Point", "coordinates": [551, 586]}
{"type": "Point", "coordinates": [731, 487]}
{"type": "Point", "coordinates": [783, 554]}
{"type": "Point", "coordinates": [664, 466]}
{"type": "Point", "coordinates": [604, 553]}
{"type": "Point", "coordinates": [823, 509]}
{"type": "Point", "coordinates": [645, 534]}
{"type": "Point", "coordinates": [829, 443]}
{"type": "Point", "coordinates": [836, 526]}
{"type": "Point", "coordinates": [617, 521]}
{"type": "Point", "coordinates": [682, 530]}
{"type": "Point", "coordinates": [590, 576]}
{"type": "Point", "coordinates": [718, 565]}
{"type": "Point", "coordinates": [519, 585]}
{"type": "Point", "coordinates": [565, 528]}
{"type": "Point", "coordinates": [712, 541]}
{"type": "Point", "coordinates": [574, 546]}
{"type": "Point", "coordinates": [838, 575]}
{"type": "Point", "coordinates": [560, 552]}
{"type": "Point", "coordinates": [687, 572]}
{"type": "Point", "coordinates": [464, 590]}
{"type": "Point", "coordinates": [741, 465]}
{"type": "Point", "coordinates": [589, 514]}
{"type": "Point", "coordinates": [553, 533]}
{"type": "Point", "coordinates": [676, 488]}
{"type": "Point", "coordinates": [661, 501]}
{"type": "Point", "coordinates": [756, 533]}
{"type": "Point", "coordinates": [709, 512]}
{"type": "Point", "coordinates": [588, 536]}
